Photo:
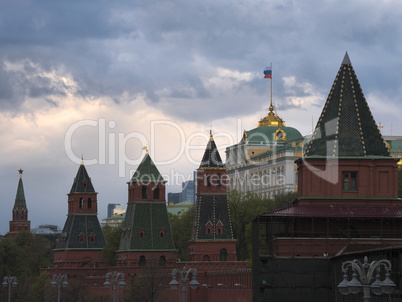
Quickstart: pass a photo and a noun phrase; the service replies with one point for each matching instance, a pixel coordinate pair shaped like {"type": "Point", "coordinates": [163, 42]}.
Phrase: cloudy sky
{"type": "Point", "coordinates": [104, 78]}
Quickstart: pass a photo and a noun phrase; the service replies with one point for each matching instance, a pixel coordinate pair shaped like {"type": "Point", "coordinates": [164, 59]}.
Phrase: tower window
{"type": "Point", "coordinates": [162, 261]}
{"type": "Point", "coordinates": [349, 181]}
{"type": "Point", "coordinates": [81, 203]}
{"type": "Point", "coordinates": [89, 203]}
{"type": "Point", "coordinates": [142, 261]}
{"type": "Point", "coordinates": [92, 238]}
{"type": "Point", "coordinates": [141, 233]}
{"type": "Point", "coordinates": [156, 192]}
{"type": "Point", "coordinates": [223, 255]}
{"type": "Point", "coordinates": [162, 233]}
{"type": "Point", "coordinates": [219, 181]}
{"type": "Point", "coordinates": [208, 178]}
{"type": "Point", "coordinates": [144, 192]}
{"type": "Point", "coordinates": [81, 238]}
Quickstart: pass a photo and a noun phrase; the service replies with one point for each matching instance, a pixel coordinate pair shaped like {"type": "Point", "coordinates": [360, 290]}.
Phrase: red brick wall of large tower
{"type": "Point", "coordinates": [320, 177]}
{"type": "Point", "coordinates": [88, 205]}
{"type": "Point", "coordinates": [135, 191]}
{"type": "Point", "coordinates": [202, 183]}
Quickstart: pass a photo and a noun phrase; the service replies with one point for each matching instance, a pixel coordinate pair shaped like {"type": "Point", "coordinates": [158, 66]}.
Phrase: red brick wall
{"type": "Point", "coordinates": [375, 178]}
{"type": "Point", "coordinates": [74, 203]}
{"type": "Point", "coordinates": [135, 191]}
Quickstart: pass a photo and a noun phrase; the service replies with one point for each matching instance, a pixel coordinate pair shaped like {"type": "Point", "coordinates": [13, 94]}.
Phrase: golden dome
{"type": "Point", "coordinates": [271, 120]}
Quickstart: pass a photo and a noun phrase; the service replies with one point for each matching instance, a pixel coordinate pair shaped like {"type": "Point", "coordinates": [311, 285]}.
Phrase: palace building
{"type": "Point", "coordinates": [263, 161]}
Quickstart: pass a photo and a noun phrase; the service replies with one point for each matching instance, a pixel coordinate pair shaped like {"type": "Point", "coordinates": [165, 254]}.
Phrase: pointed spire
{"type": "Point", "coordinates": [147, 171]}
{"type": "Point", "coordinates": [346, 126]}
{"type": "Point", "coordinates": [346, 60]}
{"type": "Point", "coordinates": [82, 182]}
{"type": "Point", "coordinates": [20, 203]}
{"type": "Point", "coordinates": [211, 158]}
{"type": "Point", "coordinates": [20, 196]}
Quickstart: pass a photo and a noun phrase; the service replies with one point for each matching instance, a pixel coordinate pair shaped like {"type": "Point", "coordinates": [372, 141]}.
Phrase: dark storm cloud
{"type": "Point", "coordinates": [145, 47]}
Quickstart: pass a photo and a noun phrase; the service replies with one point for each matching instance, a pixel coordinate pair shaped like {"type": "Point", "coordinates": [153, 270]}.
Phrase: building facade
{"type": "Point", "coordinates": [263, 161]}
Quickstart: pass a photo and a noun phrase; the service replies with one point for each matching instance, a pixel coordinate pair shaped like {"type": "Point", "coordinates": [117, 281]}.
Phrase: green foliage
{"type": "Point", "coordinates": [24, 255]}
{"type": "Point", "coordinates": [37, 292]}
{"type": "Point", "coordinates": [243, 209]}
{"type": "Point", "coordinates": [182, 228]}
{"type": "Point", "coordinates": [112, 236]}
{"type": "Point", "coordinates": [400, 182]}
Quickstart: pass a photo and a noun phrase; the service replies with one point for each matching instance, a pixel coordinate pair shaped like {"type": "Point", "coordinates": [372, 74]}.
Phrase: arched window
{"type": "Point", "coordinates": [81, 238]}
{"type": "Point", "coordinates": [205, 258]}
{"type": "Point", "coordinates": [81, 203]}
{"type": "Point", "coordinates": [223, 255]}
{"type": "Point", "coordinates": [144, 192]}
{"type": "Point", "coordinates": [156, 192]}
{"type": "Point", "coordinates": [142, 261]}
{"type": "Point", "coordinates": [162, 261]}
{"type": "Point", "coordinates": [89, 203]}
{"type": "Point", "coordinates": [162, 233]}
{"type": "Point", "coordinates": [208, 180]}
{"type": "Point", "coordinates": [141, 233]}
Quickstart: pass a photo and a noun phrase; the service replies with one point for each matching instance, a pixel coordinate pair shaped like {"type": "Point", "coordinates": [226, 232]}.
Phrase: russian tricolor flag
{"type": "Point", "coordinates": [268, 72]}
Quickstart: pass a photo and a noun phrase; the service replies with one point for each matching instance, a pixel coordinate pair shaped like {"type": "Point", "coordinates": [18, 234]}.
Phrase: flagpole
{"type": "Point", "coordinates": [271, 83]}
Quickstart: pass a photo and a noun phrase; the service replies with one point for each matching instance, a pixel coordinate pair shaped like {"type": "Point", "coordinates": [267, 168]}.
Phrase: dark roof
{"type": "Point", "coordinates": [147, 171]}
{"type": "Point", "coordinates": [20, 203]}
{"type": "Point", "coordinates": [150, 219]}
{"type": "Point", "coordinates": [84, 226]}
{"type": "Point", "coordinates": [211, 158]}
{"type": "Point", "coordinates": [339, 211]}
{"type": "Point", "coordinates": [212, 209]}
{"type": "Point", "coordinates": [346, 126]}
{"type": "Point", "coordinates": [82, 182]}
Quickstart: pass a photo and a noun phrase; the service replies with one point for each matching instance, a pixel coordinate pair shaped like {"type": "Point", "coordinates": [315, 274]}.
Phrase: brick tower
{"type": "Point", "coordinates": [347, 204]}
{"type": "Point", "coordinates": [212, 238]}
{"type": "Point", "coordinates": [82, 240]}
{"type": "Point", "coordinates": [147, 238]}
{"type": "Point", "coordinates": [20, 220]}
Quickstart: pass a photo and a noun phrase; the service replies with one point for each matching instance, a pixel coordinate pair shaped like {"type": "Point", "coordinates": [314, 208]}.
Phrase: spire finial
{"type": "Point", "coordinates": [210, 134]}
{"type": "Point", "coordinates": [20, 172]}
{"type": "Point", "coordinates": [346, 60]}
{"type": "Point", "coordinates": [145, 148]}
{"type": "Point", "coordinates": [82, 158]}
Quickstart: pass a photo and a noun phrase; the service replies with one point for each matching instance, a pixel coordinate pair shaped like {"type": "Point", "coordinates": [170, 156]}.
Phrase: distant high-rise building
{"type": "Point", "coordinates": [114, 208]}
{"type": "Point", "coordinates": [188, 191]}
{"type": "Point", "coordinates": [174, 198]}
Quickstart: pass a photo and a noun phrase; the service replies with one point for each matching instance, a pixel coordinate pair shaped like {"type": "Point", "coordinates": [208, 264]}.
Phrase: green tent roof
{"type": "Point", "coordinates": [147, 172]}
{"type": "Point", "coordinates": [346, 126]}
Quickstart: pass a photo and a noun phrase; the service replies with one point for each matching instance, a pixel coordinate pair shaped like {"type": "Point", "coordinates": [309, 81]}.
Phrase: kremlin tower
{"type": "Point", "coordinates": [20, 220]}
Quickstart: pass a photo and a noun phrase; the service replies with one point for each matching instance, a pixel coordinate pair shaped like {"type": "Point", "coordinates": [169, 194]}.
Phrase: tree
{"type": "Point", "coordinates": [400, 182]}
{"type": "Point", "coordinates": [112, 236]}
{"type": "Point", "coordinates": [243, 209]}
{"type": "Point", "coordinates": [182, 228]}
